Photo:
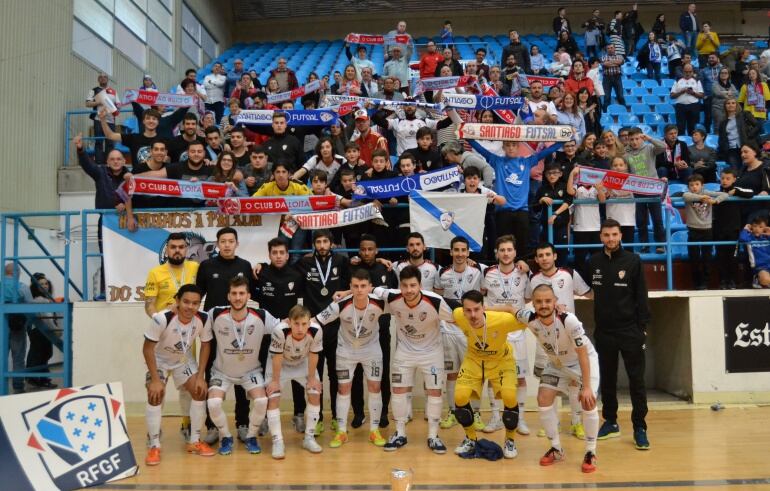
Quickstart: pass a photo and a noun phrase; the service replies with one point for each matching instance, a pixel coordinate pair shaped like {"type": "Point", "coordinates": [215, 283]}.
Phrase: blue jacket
{"type": "Point", "coordinates": [512, 175]}
{"type": "Point", "coordinates": [709, 75]}
{"type": "Point", "coordinates": [759, 250]}
{"type": "Point", "coordinates": [106, 183]}
{"type": "Point", "coordinates": [685, 23]}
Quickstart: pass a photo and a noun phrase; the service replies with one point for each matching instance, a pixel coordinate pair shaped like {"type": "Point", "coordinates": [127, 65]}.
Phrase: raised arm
{"type": "Point", "coordinates": [489, 156]}
{"type": "Point", "coordinates": [108, 133]}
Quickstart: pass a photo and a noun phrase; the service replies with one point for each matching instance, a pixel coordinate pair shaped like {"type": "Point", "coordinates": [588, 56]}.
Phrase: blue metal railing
{"type": "Point", "coordinates": [68, 115]}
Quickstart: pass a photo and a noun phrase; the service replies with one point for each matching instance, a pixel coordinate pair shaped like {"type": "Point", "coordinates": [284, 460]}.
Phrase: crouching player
{"type": "Point", "coordinates": [294, 352]}
{"type": "Point", "coordinates": [167, 343]}
{"type": "Point", "coordinates": [238, 331]}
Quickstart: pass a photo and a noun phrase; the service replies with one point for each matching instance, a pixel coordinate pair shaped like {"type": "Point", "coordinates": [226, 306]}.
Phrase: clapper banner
{"type": "Point", "coordinates": [439, 217]}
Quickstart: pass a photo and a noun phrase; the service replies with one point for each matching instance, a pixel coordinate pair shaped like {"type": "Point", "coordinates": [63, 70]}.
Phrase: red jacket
{"type": "Point", "coordinates": [428, 64]}
{"type": "Point", "coordinates": [572, 85]}
{"type": "Point", "coordinates": [368, 144]}
{"type": "Point", "coordinates": [292, 78]}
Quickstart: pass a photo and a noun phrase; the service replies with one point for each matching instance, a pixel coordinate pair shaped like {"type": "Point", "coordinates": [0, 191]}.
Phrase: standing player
{"type": "Point", "coordinates": [294, 352]}
{"type": "Point", "coordinates": [238, 331]}
{"type": "Point", "coordinates": [571, 358]}
{"type": "Point", "coordinates": [451, 283]}
{"type": "Point", "coordinates": [565, 283]}
{"type": "Point", "coordinates": [358, 341]}
{"type": "Point", "coordinates": [167, 343]}
{"type": "Point", "coordinates": [161, 286]}
{"type": "Point", "coordinates": [489, 357]}
{"type": "Point", "coordinates": [506, 284]}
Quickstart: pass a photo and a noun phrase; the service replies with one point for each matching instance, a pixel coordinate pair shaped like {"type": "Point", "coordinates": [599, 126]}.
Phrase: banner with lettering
{"type": "Point", "coordinates": [152, 98]}
{"type": "Point", "coordinates": [156, 186]}
{"type": "Point", "coordinates": [129, 256]}
{"type": "Point", "coordinates": [439, 83]}
{"type": "Point", "coordinates": [335, 100]}
{"type": "Point", "coordinates": [294, 117]}
{"type": "Point", "coordinates": [747, 334]}
{"type": "Point", "coordinates": [403, 185]}
{"type": "Point", "coordinates": [277, 204]}
{"type": "Point", "coordinates": [354, 38]}
{"type": "Point", "coordinates": [481, 102]}
{"type": "Point", "coordinates": [621, 181]}
{"type": "Point", "coordinates": [547, 82]}
{"type": "Point", "coordinates": [294, 94]}
{"type": "Point", "coordinates": [339, 218]}
{"type": "Point", "coordinates": [514, 132]}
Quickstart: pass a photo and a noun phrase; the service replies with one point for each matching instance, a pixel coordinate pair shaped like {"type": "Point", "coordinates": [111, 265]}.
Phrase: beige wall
{"type": "Point", "coordinates": [40, 79]}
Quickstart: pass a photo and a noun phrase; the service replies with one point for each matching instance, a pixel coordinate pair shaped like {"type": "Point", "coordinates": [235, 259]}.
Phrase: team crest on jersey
{"type": "Point", "coordinates": [622, 274]}
{"type": "Point", "coordinates": [290, 285]}
{"type": "Point", "coordinates": [516, 281]}
{"type": "Point", "coordinates": [560, 283]}
{"type": "Point", "coordinates": [372, 316]}
{"type": "Point", "coordinates": [334, 270]}
{"type": "Point", "coordinates": [423, 316]}
{"type": "Point", "coordinates": [425, 273]}
{"type": "Point", "coordinates": [384, 279]}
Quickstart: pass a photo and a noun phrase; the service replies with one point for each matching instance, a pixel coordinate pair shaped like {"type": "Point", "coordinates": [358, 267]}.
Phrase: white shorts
{"type": "Point", "coordinates": [430, 364]}
{"type": "Point", "coordinates": [297, 373]}
{"type": "Point", "coordinates": [559, 379]}
{"type": "Point", "coordinates": [251, 380]}
{"type": "Point", "coordinates": [520, 351]}
{"type": "Point", "coordinates": [455, 346]}
{"type": "Point", "coordinates": [371, 363]}
{"type": "Point", "coordinates": [541, 360]}
{"type": "Point", "coordinates": [180, 374]}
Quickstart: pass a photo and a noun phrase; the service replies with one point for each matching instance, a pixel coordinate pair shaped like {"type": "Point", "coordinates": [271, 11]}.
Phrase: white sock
{"type": "Point", "coordinates": [312, 412]}
{"type": "Point", "coordinates": [256, 416]}
{"type": "Point", "coordinates": [550, 424]}
{"type": "Point", "coordinates": [433, 408]}
{"type": "Point", "coordinates": [152, 415]}
{"type": "Point", "coordinates": [495, 405]}
{"type": "Point", "coordinates": [574, 404]}
{"type": "Point", "coordinates": [274, 424]}
{"type": "Point", "coordinates": [343, 406]}
{"type": "Point", "coordinates": [218, 417]}
{"type": "Point", "coordinates": [450, 393]}
{"type": "Point", "coordinates": [185, 401]}
{"type": "Point", "coordinates": [400, 411]}
{"type": "Point", "coordinates": [475, 405]}
{"type": "Point", "coordinates": [591, 425]}
{"type": "Point", "coordinates": [521, 397]}
{"type": "Point", "coordinates": [197, 418]}
{"type": "Point", "coordinates": [409, 412]}
{"type": "Point", "coordinates": [375, 410]}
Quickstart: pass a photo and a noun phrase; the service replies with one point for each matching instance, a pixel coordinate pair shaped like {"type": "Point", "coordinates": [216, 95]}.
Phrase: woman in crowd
{"type": "Point", "coordinates": [614, 147]}
{"type": "Point", "coordinates": [324, 159]}
{"type": "Point", "coordinates": [755, 95]}
{"type": "Point", "coordinates": [536, 60]}
{"type": "Point", "coordinates": [338, 138]}
{"type": "Point", "coordinates": [650, 57]}
{"type": "Point", "coordinates": [588, 106]}
{"type": "Point", "coordinates": [40, 347]}
{"type": "Point", "coordinates": [349, 85]}
{"type": "Point", "coordinates": [272, 86]}
{"type": "Point", "coordinates": [226, 172]}
{"type": "Point", "coordinates": [721, 90]}
{"type": "Point", "coordinates": [736, 129]}
{"type": "Point", "coordinates": [567, 114]}
{"type": "Point", "coordinates": [567, 42]}
{"type": "Point", "coordinates": [659, 27]}
{"type": "Point", "coordinates": [585, 151]}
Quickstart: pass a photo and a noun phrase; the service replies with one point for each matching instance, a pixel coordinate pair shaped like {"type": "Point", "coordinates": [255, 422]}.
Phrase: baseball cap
{"type": "Point", "coordinates": [361, 114]}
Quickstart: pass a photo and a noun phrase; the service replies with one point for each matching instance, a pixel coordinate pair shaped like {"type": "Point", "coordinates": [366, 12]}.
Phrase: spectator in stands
{"type": "Point", "coordinates": [404, 128]}
{"type": "Point", "coordinates": [482, 67]}
{"type": "Point", "coordinates": [586, 219]}
{"type": "Point", "coordinates": [429, 61]}
{"type": "Point", "coordinates": [597, 20]}
{"type": "Point", "coordinates": [615, 148]}
{"type": "Point", "coordinates": [588, 107]}
{"type": "Point", "coordinates": [496, 81]}
{"type": "Point", "coordinates": [650, 57]}
{"type": "Point", "coordinates": [369, 86]}
{"type": "Point", "coordinates": [258, 171]}
{"type": "Point", "coordinates": [425, 154]}
{"type": "Point", "coordinates": [688, 23]}
{"type": "Point", "coordinates": [585, 151]}
{"type": "Point", "coordinates": [285, 76]}
{"type": "Point", "coordinates": [513, 77]}
{"type": "Point", "coordinates": [577, 79]}
{"type": "Point", "coordinates": [390, 42]}
{"type": "Point", "coordinates": [389, 91]}
{"type": "Point", "coordinates": [615, 31]}
{"type": "Point", "coordinates": [518, 49]}
{"type": "Point", "coordinates": [674, 162]}
{"type": "Point", "coordinates": [272, 86]}
{"type": "Point", "coordinates": [360, 61]}
{"type": "Point", "coordinates": [687, 93]}
{"type": "Point", "coordinates": [148, 84]}
{"type": "Point", "coordinates": [567, 113]}
{"type": "Point", "coordinates": [453, 153]}
{"type": "Point", "coordinates": [138, 143]}
{"type": "Point", "coordinates": [659, 27]}
{"type": "Point", "coordinates": [709, 75]}
{"type": "Point", "coordinates": [282, 146]}
{"type": "Point", "coordinates": [756, 239]}
{"type": "Point", "coordinates": [189, 88]}
{"type": "Point", "coordinates": [707, 43]}
{"type": "Point", "coordinates": [699, 204]}
{"type": "Point", "coordinates": [755, 95]}
{"type": "Point", "coordinates": [562, 64]}
{"type": "Point", "coordinates": [226, 171]}
{"type": "Point", "coordinates": [594, 73]}
{"type": "Point", "coordinates": [674, 51]}
{"type": "Point", "coordinates": [214, 144]}
{"type": "Point", "coordinates": [631, 30]}
{"type": "Point", "coordinates": [623, 213]}
{"type": "Point", "coordinates": [198, 89]}
{"type": "Point", "coordinates": [703, 158]}
{"type": "Point", "coordinates": [561, 23]}
{"type": "Point", "coordinates": [751, 174]}
{"type": "Point", "coordinates": [103, 145]}
{"type": "Point", "coordinates": [14, 291]}
{"type": "Point", "coordinates": [454, 65]}
{"type": "Point", "coordinates": [228, 122]}
{"type": "Point", "coordinates": [239, 147]}
{"type": "Point", "coordinates": [741, 70]}
{"type": "Point", "coordinates": [727, 226]}
{"type": "Point", "coordinates": [234, 75]}
{"type": "Point", "coordinates": [612, 78]}
{"type": "Point", "coordinates": [553, 189]}
{"type": "Point", "coordinates": [446, 35]}
{"type": "Point", "coordinates": [721, 90]}
{"type": "Point", "coordinates": [567, 42]}
{"type": "Point", "coordinates": [537, 60]}
{"type": "Point", "coordinates": [594, 39]}
{"type": "Point", "coordinates": [244, 90]}
{"type": "Point", "coordinates": [214, 84]}
{"type": "Point", "coordinates": [754, 64]}
{"type": "Point", "coordinates": [177, 147]}
{"type": "Point", "coordinates": [398, 67]}
{"type": "Point", "coordinates": [737, 129]}
{"type": "Point", "coordinates": [338, 137]}
{"type": "Point", "coordinates": [349, 84]}
{"type": "Point", "coordinates": [368, 140]}
{"type": "Point", "coordinates": [325, 159]}
{"type": "Point", "coordinates": [641, 160]}
{"type": "Point", "coordinates": [40, 347]}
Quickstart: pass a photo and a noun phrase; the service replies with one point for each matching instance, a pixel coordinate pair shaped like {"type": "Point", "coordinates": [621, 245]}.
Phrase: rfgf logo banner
{"type": "Point", "coordinates": [64, 439]}
{"type": "Point", "coordinates": [747, 334]}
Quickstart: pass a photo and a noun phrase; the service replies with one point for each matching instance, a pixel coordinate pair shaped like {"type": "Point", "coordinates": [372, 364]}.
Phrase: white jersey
{"type": "Point", "coordinates": [624, 213]}
{"type": "Point", "coordinates": [454, 283]}
{"type": "Point", "coordinates": [428, 269]}
{"type": "Point", "coordinates": [359, 329]}
{"type": "Point", "coordinates": [560, 339]}
{"type": "Point", "coordinates": [406, 131]}
{"type": "Point", "coordinates": [586, 218]}
{"type": "Point", "coordinates": [331, 170]}
{"type": "Point", "coordinates": [506, 289]}
{"type": "Point", "coordinates": [565, 282]}
{"type": "Point", "coordinates": [418, 330]}
{"type": "Point", "coordinates": [174, 339]}
{"type": "Point", "coordinates": [295, 351]}
{"type": "Point", "coordinates": [238, 342]}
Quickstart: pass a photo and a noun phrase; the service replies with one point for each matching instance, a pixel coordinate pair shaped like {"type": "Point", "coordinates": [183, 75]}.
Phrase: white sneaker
{"type": "Point", "coordinates": [311, 445]}
{"type": "Point", "coordinates": [522, 428]}
{"type": "Point", "coordinates": [299, 423]}
{"type": "Point", "coordinates": [466, 446]}
{"type": "Point", "coordinates": [243, 432]}
{"type": "Point", "coordinates": [279, 449]}
{"type": "Point", "coordinates": [495, 424]}
{"type": "Point", "coordinates": [509, 449]}
{"type": "Point", "coordinates": [263, 428]}
{"type": "Point", "coordinates": [212, 436]}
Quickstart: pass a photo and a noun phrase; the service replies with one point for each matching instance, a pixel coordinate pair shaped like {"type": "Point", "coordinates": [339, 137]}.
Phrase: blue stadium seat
{"type": "Point", "coordinates": [766, 128]}
{"type": "Point", "coordinates": [650, 84]}
{"type": "Point", "coordinates": [640, 109]}
{"type": "Point", "coordinates": [667, 83]}
{"type": "Point", "coordinates": [712, 141]}
{"type": "Point", "coordinates": [131, 124]}
{"type": "Point", "coordinates": [666, 110]}
{"type": "Point", "coordinates": [679, 251]}
{"type": "Point", "coordinates": [651, 100]}
{"type": "Point", "coordinates": [676, 187]}
{"type": "Point", "coordinates": [616, 109]}
{"type": "Point", "coordinates": [711, 186]}
{"type": "Point", "coordinates": [627, 119]}
{"type": "Point", "coordinates": [646, 129]}
{"type": "Point", "coordinates": [686, 139]}
{"type": "Point", "coordinates": [639, 91]}
{"type": "Point", "coordinates": [606, 120]}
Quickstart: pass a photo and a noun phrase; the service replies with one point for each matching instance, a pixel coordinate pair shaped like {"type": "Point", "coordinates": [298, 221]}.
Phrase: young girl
{"type": "Point", "coordinates": [536, 60]}
{"type": "Point", "coordinates": [586, 220]}
{"type": "Point", "coordinates": [225, 171]}
{"type": "Point", "coordinates": [624, 213]}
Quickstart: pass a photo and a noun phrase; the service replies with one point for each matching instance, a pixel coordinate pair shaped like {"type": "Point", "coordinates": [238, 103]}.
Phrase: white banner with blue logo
{"type": "Point", "coordinates": [439, 217]}
{"type": "Point", "coordinates": [64, 439]}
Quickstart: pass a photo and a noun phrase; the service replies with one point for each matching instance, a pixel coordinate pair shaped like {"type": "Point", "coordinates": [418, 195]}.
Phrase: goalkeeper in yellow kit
{"type": "Point", "coordinates": [489, 357]}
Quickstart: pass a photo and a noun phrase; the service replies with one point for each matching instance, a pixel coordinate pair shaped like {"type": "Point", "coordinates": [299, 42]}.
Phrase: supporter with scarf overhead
{"type": "Point", "coordinates": [404, 128]}
{"type": "Point", "coordinates": [244, 90]}
{"type": "Point", "coordinates": [349, 85]}
{"type": "Point", "coordinates": [360, 61]}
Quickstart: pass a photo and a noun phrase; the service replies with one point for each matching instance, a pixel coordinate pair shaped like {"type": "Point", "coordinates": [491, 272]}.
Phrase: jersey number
{"type": "Point", "coordinates": [375, 371]}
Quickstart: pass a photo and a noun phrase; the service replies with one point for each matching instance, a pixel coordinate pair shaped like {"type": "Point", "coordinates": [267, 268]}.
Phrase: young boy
{"type": "Point", "coordinates": [353, 160]}
{"type": "Point", "coordinates": [641, 161]}
{"type": "Point", "coordinates": [294, 352]}
{"type": "Point", "coordinates": [167, 343]}
{"type": "Point", "coordinates": [380, 170]}
{"type": "Point", "coordinates": [258, 170]}
{"type": "Point", "coordinates": [472, 181]}
{"type": "Point", "coordinates": [554, 188]}
{"type": "Point", "coordinates": [727, 226]}
{"type": "Point", "coordinates": [426, 156]}
{"type": "Point", "coordinates": [601, 156]}
{"type": "Point", "coordinates": [758, 246]}
{"type": "Point", "coordinates": [698, 215]}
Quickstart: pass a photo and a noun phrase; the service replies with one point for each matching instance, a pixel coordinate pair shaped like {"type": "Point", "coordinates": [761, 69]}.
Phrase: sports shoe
{"type": "Point", "coordinates": [448, 422]}
{"type": "Point", "coordinates": [376, 438]}
{"type": "Point", "coordinates": [243, 430]}
{"type": "Point", "coordinates": [478, 424]}
{"type": "Point", "coordinates": [226, 446]}
{"type": "Point", "coordinates": [578, 431]}
{"type": "Point", "coordinates": [298, 421]}
{"type": "Point", "coordinates": [495, 424]}
{"type": "Point", "coordinates": [589, 463]}
{"type": "Point", "coordinates": [312, 446]}
{"type": "Point", "coordinates": [334, 425]}
{"type": "Point", "coordinates": [522, 428]}
{"type": "Point", "coordinates": [184, 430]}
{"type": "Point", "coordinates": [279, 449]}
{"type": "Point", "coordinates": [252, 445]}
{"type": "Point", "coordinates": [212, 435]}
{"type": "Point", "coordinates": [437, 445]}
{"type": "Point", "coordinates": [541, 433]}
{"type": "Point", "coordinates": [466, 446]}
{"type": "Point", "coordinates": [509, 449]}
{"type": "Point", "coordinates": [395, 442]}
{"type": "Point", "coordinates": [358, 420]}
{"type": "Point", "coordinates": [640, 439]}
{"type": "Point", "coordinates": [608, 430]}
{"type": "Point", "coordinates": [153, 456]}
{"type": "Point", "coordinates": [552, 456]}
{"type": "Point", "coordinates": [201, 449]}
{"type": "Point", "coordinates": [263, 428]}
{"type": "Point", "coordinates": [319, 428]}
{"type": "Point", "coordinates": [339, 438]}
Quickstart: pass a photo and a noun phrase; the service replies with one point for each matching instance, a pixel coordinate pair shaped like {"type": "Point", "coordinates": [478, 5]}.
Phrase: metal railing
{"type": "Point", "coordinates": [68, 122]}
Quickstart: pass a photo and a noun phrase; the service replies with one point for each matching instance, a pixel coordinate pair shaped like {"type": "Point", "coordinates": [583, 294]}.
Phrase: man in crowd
{"type": "Point", "coordinates": [102, 146]}
{"type": "Point", "coordinates": [215, 85]}
{"type": "Point", "coordinates": [519, 50]}
{"type": "Point", "coordinates": [612, 77]}
{"type": "Point", "coordinates": [234, 75]}
{"type": "Point", "coordinates": [390, 39]}
{"type": "Point", "coordinates": [177, 147]}
{"type": "Point", "coordinates": [14, 291]}
{"type": "Point", "coordinates": [405, 128]}
{"type": "Point", "coordinates": [368, 140]}
{"type": "Point", "coordinates": [138, 143]}
{"type": "Point", "coordinates": [285, 76]}
{"type": "Point", "coordinates": [398, 67]}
